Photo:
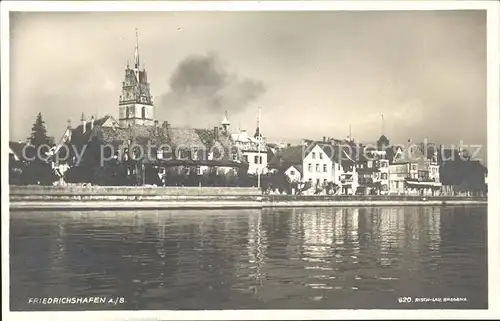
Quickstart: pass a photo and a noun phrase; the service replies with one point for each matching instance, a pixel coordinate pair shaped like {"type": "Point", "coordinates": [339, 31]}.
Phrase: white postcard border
{"type": "Point", "coordinates": [493, 48]}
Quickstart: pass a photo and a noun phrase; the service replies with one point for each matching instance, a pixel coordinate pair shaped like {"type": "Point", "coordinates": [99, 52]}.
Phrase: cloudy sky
{"type": "Point", "coordinates": [312, 73]}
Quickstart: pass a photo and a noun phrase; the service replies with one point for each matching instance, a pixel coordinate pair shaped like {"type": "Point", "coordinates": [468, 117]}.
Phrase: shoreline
{"type": "Point", "coordinates": [92, 206]}
{"type": "Point", "coordinates": [144, 198]}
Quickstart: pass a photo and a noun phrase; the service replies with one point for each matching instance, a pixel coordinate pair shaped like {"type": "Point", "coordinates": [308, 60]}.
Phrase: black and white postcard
{"type": "Point", "coordinates": [250, 160]}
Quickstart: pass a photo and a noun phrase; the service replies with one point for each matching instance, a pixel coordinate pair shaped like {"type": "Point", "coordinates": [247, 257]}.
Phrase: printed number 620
{"type": "Point", "coordinates": [404, 299]}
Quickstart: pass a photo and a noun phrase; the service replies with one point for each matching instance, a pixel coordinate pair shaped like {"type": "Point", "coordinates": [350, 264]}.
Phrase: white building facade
{"type": "Point", "coordinates": [253, 150]}
{"type": "Point", "coordinates": [317, 167]}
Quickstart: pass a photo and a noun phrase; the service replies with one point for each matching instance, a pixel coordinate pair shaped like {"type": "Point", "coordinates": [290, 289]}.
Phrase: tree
{"type": "Point", "coordinates": [38, 137]}
{"type": "Point", "coordinates": [332, 188]}
{"type": "Point", "coordinates": [38, 170]}
{"type": "Point", "coordinates": [382, 142]}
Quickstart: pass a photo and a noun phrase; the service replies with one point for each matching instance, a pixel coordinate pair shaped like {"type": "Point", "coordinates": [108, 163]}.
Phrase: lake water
{"type": "Point", "coordinates": [308, 258]}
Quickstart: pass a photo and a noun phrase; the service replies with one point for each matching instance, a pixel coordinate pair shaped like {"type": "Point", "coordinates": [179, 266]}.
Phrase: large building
{"type": "Point", "coordinates": [318, 163]}
{"type": "Point", "coordinates": [136, 104]}
{"type": "Point", "coordinates": [253, 148]}
{"type": "Point", "coordinates": [412, 172]}
{"type": "Point", "coordinates": [373, 172]}
{"type": "Point", "coordinates": [137, 135]}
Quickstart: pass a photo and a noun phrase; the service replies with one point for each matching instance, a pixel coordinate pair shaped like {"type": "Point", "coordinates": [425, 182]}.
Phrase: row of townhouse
{"type": "Point", "coordinates": [319, 163]}
{"type": "Point", "coordinates": [357, 169]}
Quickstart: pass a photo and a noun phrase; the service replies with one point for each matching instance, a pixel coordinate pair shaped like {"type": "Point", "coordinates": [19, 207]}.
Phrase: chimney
{"type": "Point", "coordinates": [216, 133]}
{"type": "Point", "coordinates": [84, 123]}
{"type": "Point", "coordinates": [92, 122]}
{"type": "Point", "coordinates": [113, 125]}
{"type": "Point", "coordinates": [69, 124]}
{"type": "Point", "coordinates": [166, 125]}
{"type": "Point", "coordinates": [288, 145]}
{"type": "Point", "coordinates": [156, 127]}
{"type": "Point", "coordinates": [324, 139]}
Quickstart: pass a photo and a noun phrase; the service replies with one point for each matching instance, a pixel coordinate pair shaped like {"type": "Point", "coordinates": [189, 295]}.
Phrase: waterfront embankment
{"type": "Point", "coordinates": [111, 197]}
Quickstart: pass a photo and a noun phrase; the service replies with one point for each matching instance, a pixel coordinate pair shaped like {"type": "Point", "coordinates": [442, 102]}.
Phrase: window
{"type": "Point", "coordinates": [313, 155]}
{"type": "Point", "coordinates": [384, 175]}
{"type": "Point", "coordinates": [414, 167]}
{"type": "Point", "coordinates": [317, 167]}
{"type": "Point", "coordinates": [143, 113]}
{"type": "Point", "coordinates": [127, 112]}
{"type": "Point", "coordinates": [310, 167]}
{"type": "Point", "coordinates": [245, 158]}
{"type": "Point", "coordinates": [260, 160]}
{"type": "Point", "coordinates": [235, 156]}
{"type": "Point", "coordinates": [256, 159]}
{"type": "Point", "coordinates": [383, 164]}
{"type": "Point", "coordinates": [320, 155]}
{"type": "Point", "coordinates": [384, 187]}
{"type": "Point", "coordinates": [292, 172]}
{"type": "Point", "coordinates": [370, 164]}
{"type": "Point", "coordinates": [317, 182]}
{"type": "Point", "coordinates": [324, 167]}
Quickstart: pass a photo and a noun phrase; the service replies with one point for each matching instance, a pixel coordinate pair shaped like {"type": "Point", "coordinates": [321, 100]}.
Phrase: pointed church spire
{"type": "Point", "coordinates": [257, 131]}
{"type": "Point", "coordinates": [225, 122]}
{"type": "Point", "coordinates": [136, 56]}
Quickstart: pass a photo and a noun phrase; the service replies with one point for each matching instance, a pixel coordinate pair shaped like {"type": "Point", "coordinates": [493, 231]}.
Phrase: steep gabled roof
{"type": "Point", "coordinates": [291, 156]}
{"type": "Point", "coordinates": [414, 155]}
{"type": "Point", "coordinates": [78, 130]}
{"type": "Point", "coordinates": [187, 137]}
{"type": "Point", "coordinates": [154, 136]}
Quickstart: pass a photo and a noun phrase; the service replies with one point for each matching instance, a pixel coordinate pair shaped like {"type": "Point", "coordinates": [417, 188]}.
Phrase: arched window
{"type": "Point", "coordinates": [143, 112]}
{"type": "Point", "coordinates": [127, 112]}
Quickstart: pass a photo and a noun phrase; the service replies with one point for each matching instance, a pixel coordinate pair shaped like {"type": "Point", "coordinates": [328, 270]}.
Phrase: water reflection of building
{"type": "Point", "coordinates": [434, 223]}
{"type": "Point", "coordinates": [331, 232]}
{"type": "Point", "coordinates": [353, 228]}
{"type": "Point", "coordinates": [257, 247]}
{"type": "Point", "coordinates": [413, 228]}
{"type": "Point", "coordinates": [162, 253]}
{"type": "Point", "coordinates": [318, 235]}
{"type": "Point", "coordinates": [339, 225]}
{"type": "Point", "coordinates": [388, 234]}
{"type": "Point", "coordinates": [58, 248]}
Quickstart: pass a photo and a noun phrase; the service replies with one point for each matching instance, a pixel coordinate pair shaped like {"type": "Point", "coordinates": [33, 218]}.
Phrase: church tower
{"type": "Point", "coordinates": [136, 104]}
